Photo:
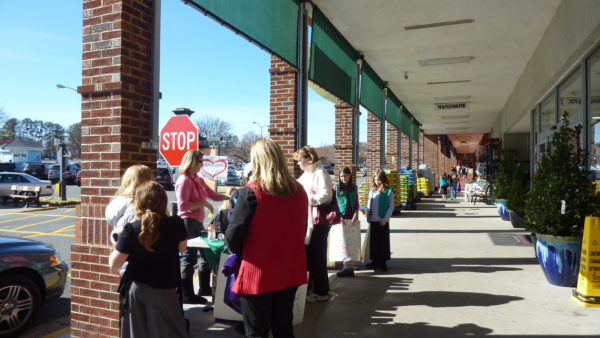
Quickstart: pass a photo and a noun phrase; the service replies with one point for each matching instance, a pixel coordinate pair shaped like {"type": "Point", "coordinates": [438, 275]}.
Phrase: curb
{"type": "Point", "coordinates": [39, 209]}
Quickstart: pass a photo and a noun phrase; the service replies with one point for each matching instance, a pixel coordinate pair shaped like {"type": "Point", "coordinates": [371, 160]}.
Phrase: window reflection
{"type": "Point", "coordinates": [594, 67]}
{"type": "Point", "coordinates": [548, 113]}
{"type": "Point", "coordinates": [571, 97]}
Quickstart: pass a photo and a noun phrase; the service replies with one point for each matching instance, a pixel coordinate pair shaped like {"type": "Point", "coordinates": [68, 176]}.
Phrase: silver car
{"type": "Point", "coordinates": [8, 179]}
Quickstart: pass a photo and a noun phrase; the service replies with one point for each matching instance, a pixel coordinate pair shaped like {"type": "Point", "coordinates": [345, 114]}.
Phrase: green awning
{"type": "Point", "coordinates": [393, 110]}
{"type": "Point", "coordinates": [332, 59]}
{"type": "Point", "coordinates": [416, 126]}
{"type": "Point", "coordinates": [406, 123]}
{"type": "Point", "coordinates": [371, 91]}
{"type": "Point", "coordinates": [272, 24]}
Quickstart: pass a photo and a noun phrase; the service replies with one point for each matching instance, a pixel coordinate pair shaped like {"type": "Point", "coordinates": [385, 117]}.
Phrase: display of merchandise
{"type": "Point", "coordinates": [394, 183]}
{"type": "Point", "coordinates": [426, 174]}
{"type": "Point", "coordinates": [423, 186]}
{"type": "Point", "coordinates": [597, 185]}
{"type": "Point", "coordinates": [363, 194]}
{"type": "Point", "coordinates": [408, 188]}
{"type": "Point", "coordinates": [488, 155]}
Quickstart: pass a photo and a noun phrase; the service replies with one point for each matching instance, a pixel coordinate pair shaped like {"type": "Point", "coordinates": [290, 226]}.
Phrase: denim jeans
{"type": "Point", "coordinates": [452, 191]}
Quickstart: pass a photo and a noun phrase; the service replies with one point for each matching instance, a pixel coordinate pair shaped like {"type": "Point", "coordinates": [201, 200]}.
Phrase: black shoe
{"type": "Point", "coordinates": [383, 267]}
{"type": "Point", "coordinates": [346, 273]}
{"type": "Point", "coordinates": [194, 299]}
{"type": "Point", "coordinates": [371, 265]}
{"type": "Point", "coordinates": [204, 292]}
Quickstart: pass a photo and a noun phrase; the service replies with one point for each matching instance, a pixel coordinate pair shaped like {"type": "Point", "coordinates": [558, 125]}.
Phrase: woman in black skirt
{"type": "Point", "coordinates": [379, 210]}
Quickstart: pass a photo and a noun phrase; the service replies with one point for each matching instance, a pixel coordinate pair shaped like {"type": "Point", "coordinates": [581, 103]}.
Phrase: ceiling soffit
{"type": "Point", "coordinates": [497, 44]}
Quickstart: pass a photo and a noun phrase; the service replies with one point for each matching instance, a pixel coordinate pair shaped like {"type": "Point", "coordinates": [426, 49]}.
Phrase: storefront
{"type": "Point", "coordinates": [578, 93]}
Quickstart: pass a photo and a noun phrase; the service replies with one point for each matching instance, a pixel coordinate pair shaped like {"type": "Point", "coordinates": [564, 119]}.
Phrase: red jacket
{"type": "Point", "coordinates": [273, 255]}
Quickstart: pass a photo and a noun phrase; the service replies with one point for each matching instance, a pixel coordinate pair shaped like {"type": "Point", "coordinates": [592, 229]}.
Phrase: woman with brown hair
{"type": "Point", "coordinates": [192, 197]}
{"type": "Point", "coordinates": [379, 210]}
{"type": "Point", "coordinates": [267, 229]}
{"type": "Point", "coordinates": [151, 245]}
{"type": "Point", "coordinates": [317, 184]}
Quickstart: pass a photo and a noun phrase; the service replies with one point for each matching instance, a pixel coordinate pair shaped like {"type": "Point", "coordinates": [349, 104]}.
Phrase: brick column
{"type": "Point", "coordinates": [115, 120]}
{"type": "Point", "coordinates": [391, 147]}
{"type": "Point", "coordinates": [343, 138]}
{"type": "Point", "coordinates": [415, 153]}
{"type": "Point", "coordinates": [373, 141]}
{"type": "Point", "coordinates": [404, 151]}
{"type": "Point", "coordinates": [430, 151]}
{"type": "Point", "coordinates": [282, 128]}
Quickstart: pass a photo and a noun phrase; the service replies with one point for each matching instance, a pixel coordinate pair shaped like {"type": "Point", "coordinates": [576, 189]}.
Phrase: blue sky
{"type": "Point", "coordinates": [204, 66]}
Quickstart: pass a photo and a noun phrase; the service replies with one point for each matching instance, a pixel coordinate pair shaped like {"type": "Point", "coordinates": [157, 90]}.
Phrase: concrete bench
{"type": "Point", "coordinates": [25, 193]}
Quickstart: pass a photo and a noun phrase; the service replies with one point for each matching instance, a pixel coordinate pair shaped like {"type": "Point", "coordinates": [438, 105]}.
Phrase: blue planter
{"type": "Point", "coordinates": [501, 205]}
{"type": "Point", "coordinates": [559, 258]}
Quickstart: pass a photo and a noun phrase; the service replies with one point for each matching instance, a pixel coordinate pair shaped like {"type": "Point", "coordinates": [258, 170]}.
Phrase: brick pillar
{"type": "Point", "coordinates": [391, 147]}
{"type": "Point", "coordinates": [282, 128]}
{"type": "Point", "coordinates": [415, 153]}
{"type": "Point", "coordinates": [343, 138]}
{"type": "Point", "coordinates": [404, 152]}
{"type": "Point", "coordinates": [430, 151]}
{"type": "Point", "coordinates": [115, 120]}
{"type": "Point", "coordinates": [373, 143]}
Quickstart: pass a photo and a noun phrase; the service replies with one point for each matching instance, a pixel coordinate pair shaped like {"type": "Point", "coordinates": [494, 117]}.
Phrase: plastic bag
{"type": "Point", "coordinates": [231, 268]}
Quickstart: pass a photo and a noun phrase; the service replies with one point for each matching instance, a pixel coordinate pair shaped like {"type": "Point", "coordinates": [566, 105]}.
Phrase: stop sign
{"type": "Point", "coordinates": [177, 136]}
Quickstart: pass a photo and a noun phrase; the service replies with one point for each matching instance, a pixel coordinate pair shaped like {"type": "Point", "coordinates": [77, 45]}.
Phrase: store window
{"type": "Point", "coordinates": [548, 113]}
{"type": "Point", "coordinates": [594, 73]}
{"type": "Point", "coordinates": [571, 98]}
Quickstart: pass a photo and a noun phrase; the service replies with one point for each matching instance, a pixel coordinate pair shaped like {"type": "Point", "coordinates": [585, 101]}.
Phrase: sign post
{"type": "Point", "coordinates": [177, 136]}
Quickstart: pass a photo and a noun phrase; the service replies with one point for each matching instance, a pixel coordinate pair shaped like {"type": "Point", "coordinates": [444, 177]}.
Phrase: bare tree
{"type": "Point", "coordinates": [242, 151]}
{"type": "Point", "coordinates": [209, 126]}
{"type": "Point", "coordinates": [74, 139]}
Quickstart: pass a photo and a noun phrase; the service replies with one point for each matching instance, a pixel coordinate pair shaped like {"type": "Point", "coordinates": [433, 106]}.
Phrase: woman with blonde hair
{"type": "Point", "coordinates": [192, 197]}
{"type": "Point", "coordinates": [151, 245]}
{"type": "Point", "coordinates": [267, 230]}
{"type": "Point", "coordinates": [317, 184]}
{"type": "Point", "coordinates": [121, 210]}
{"type": "Point", "coordinates": [379, 210]}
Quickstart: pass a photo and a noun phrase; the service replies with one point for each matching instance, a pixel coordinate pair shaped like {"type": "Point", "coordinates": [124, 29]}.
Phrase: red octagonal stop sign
{"type": "Point", "coordinates": [177, 136]}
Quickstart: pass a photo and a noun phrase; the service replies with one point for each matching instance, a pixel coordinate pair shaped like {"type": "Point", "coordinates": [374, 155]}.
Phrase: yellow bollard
{"type": "Point", "coordinates": [588, 283]}
{"type": "Point", "coordinates": [57, 188]}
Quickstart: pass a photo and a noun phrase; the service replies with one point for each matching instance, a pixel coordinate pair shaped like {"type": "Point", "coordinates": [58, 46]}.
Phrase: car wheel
{"type": "Point", "coordinates": [20, 300]}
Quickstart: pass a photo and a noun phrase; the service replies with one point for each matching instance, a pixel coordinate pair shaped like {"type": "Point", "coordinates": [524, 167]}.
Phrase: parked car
{"type": "Point", "coordinates": [8, 166]}
{"type": "Point", "coordinates": [70, 172]}
{"type": "Point", "coordinates": [329, 169]}
{"type": "Point", "coordinates": [239, 171]}
{"type": "Point", "coordinates": [31, 274]}
{"type": "Point", "coordinates": [54, 173]}
{"type": "Point", "coordinates": [36, 170]}
{"type": "Point", "coordinates": [7, 179]}
{"type": "Point", "coordinates": [232, 178]}
{"type": "Point", "coordinates": [164, 177]}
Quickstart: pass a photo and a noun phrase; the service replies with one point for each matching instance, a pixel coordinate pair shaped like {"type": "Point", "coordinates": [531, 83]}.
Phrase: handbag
{"type": "Point", "coordinates": [327, 213]}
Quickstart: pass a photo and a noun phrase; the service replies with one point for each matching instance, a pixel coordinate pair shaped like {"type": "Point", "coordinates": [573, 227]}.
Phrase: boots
{"type": "Point", "coordinates": [187, 290]}
{"type": "Point", "coordinates": [205, 289]}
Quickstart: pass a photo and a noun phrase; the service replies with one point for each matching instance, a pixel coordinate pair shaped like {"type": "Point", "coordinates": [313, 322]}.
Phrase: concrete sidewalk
{"type": "Point", "coordinates": [456, 270]}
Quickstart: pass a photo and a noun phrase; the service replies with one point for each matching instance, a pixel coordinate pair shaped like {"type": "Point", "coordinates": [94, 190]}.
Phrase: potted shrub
{"type": "Point", "coordinates": [515, 201]}
{"type": "Point", "coordinates": [561, 196]}
{"type": "Point", "coordinates": [502, 183]}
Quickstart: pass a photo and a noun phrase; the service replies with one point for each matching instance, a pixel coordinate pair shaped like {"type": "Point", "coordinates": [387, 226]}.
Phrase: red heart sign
{"type": "Point", "coordinates": [215, 168]}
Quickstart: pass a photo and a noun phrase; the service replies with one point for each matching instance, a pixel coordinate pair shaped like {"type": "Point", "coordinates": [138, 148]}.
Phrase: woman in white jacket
{"type": "Point", "coordinates": [121, 210]}
{"type": "Point", "coordinates": [317, 184]}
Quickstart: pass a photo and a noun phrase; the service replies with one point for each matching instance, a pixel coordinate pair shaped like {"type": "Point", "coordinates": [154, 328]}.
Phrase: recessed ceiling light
{"type": "Point", "coordinates": [447, 82]}
{"type": "Point", "coordinates": [445, 61]}
{"type": "Point", "coordinates": [448, 99]}
{"type": "Point", "coordinates": [439, 24]}
{"type": "Point", "coordinates": [455, 117]}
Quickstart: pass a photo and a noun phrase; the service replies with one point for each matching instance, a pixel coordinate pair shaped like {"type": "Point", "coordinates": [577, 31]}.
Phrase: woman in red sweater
{"type": "Point", "coordinates": [267, 229]}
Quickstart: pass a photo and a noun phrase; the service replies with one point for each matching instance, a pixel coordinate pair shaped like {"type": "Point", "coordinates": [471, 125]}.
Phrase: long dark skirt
{"type": "Point", "coordinates": [380, 242]}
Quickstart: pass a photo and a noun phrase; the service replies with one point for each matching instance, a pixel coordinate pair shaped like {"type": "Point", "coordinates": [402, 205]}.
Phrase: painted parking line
{"type": "Point", "coordinates": [35, 233]}
{"type": "Point", "coordinates": [59, 333]}
{"type": "Point", "coordinates": [17, 219]}
{"type": "Point", "coordinates": [38, 223]}
{"type": "Point", "coordinates": [55, 232]}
